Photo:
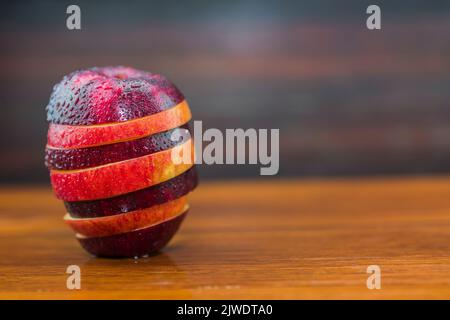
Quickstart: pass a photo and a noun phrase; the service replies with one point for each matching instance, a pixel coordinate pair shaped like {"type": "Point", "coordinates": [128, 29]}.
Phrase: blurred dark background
{"type": "Point", "coordinates": [348, 101]}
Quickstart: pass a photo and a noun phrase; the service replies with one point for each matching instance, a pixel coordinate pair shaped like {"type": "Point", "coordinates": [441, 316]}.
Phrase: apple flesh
{"type": "Point", "coordinates": [69, 136]}
{"type": "Point", "coordinates": [125, 222]}
{"type": "Point", "coordinates": [72, 159]}
{"type": "Point", "coordinates": [121, 177]}
{"type": "Point", "coordinates": [137, 243]}
{"type": "Point", "coordinates": [110, 94]}
{"type": "Point", "coordinates": [137, 200]}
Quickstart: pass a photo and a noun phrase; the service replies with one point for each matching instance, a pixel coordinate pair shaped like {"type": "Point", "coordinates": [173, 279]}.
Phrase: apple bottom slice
{"type": "Point", "coordinates": [125, 222]}
{"type": "Point", "coordinates": [137, 243]}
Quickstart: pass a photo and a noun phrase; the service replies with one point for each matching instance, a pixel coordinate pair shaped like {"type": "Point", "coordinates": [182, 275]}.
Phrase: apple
{"type": "Point", "coordinates": [137, 200]}
{"type": "Point", "coordinates": [125, 222]}
{"type": "Point", "coordinates": [120, 177]}
{"type": "Point", "coordinates": [134, 244]}
{"type": "Point", "coordinates": [70, 136]}
{"type": "Point", "coordinates": [114, 161]}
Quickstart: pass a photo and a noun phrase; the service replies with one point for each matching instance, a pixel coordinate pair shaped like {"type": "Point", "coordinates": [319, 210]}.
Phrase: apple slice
{"type": "Point", "coordinates": [69, 136]}
{"type": "Point", "coordinates": [120, 177]}
{"type": "Point", "coordinates": [110, 94]}
{"type": "Point", "coordinates": [137, 200]}
{"type": "Point", "coordinates": [72, 159]}
{"type": "Point", "coordinates": [126, 222]}
{"type": "Point", "coordinates": [137, 243]}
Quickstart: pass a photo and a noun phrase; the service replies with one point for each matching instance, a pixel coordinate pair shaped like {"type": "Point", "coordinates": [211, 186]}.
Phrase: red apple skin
{"type": "Point", "coordinates": [110, 94]}
{"type": "Point", "coordinates": [82, 158]}
{"type": "Point", "coordinates": [120, 177]}
{"type": "Point", "coordinates": [137, 200]}
{"type": "Point", "coordinates": [138, 243]}
{"type": "Point", "coordinates": [69, 136]}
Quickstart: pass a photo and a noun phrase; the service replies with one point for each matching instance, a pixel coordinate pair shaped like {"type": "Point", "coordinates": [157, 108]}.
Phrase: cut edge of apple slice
{"type": "Point", "coordinates": [178, 186]}
{"type": "Point", "coordinates": [68, 217]}
{"type": "Point", "coordinates": [62, 136]}
{"type": "Point", "coordinates": [100, 182]}
{"type": "Point", "coordinates": [151, 155]}
{"type": "Point", "coordinates": [183, 211]}
{"type": "Point", "coordinates": [100, 227]}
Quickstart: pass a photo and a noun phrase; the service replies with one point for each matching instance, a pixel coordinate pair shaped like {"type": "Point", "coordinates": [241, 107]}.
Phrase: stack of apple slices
{"type": "Point", "coordinates": [112, 138]}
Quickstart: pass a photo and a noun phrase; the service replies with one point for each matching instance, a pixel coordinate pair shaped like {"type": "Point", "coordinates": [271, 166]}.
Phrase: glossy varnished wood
{"type": "Point", "coordinates": [260, 239]}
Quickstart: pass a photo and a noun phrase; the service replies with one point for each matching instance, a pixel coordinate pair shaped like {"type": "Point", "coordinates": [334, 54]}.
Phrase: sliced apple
{"type": "Point", "coordinates": [137, 243]}
{"type": "Point", "coordinates": [126, 222]}
{"type": "Point", "coordinates": [137, 200]}
{"type": "Point", "coordinates": [121, 177]}
{"type": "Point", "coordinates": [69, 136]}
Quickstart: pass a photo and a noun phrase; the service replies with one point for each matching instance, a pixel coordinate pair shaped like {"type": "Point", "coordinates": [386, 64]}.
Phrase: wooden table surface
{"type": "Point", "coordinates": [298, 239]}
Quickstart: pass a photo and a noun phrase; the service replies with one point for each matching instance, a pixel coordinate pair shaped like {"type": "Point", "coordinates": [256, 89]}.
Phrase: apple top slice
{"type": "Point", "coordinates": [108, 95]}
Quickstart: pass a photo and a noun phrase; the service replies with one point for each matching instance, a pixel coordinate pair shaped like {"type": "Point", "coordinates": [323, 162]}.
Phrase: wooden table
{"type": "Point", "coordinates": [298, 239]}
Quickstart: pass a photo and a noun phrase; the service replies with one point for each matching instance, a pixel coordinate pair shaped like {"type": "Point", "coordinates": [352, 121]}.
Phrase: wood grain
{"type": "Point", "coordinates": [258, 239]}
